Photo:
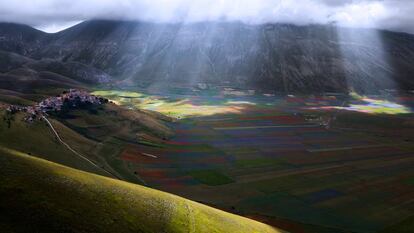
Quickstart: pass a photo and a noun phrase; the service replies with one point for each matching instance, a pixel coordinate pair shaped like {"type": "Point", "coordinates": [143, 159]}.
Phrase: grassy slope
{"type": "Point", "coordinates": [92, 134]}
{"type": "Point", "coordinates": [41, 196]}
{"type": "Point", "coordinates": [115, 121]}
{"type": "Point", "coordinates": [38, 140]}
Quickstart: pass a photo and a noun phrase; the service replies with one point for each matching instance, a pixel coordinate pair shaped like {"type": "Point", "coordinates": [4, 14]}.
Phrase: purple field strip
{"type": "Point", "coordinates": [275, 149]}
{"type": "Point", "coordinates": [282, 149]}
{"type": "Point", "coordinates": [251, 133]}
{"type": "Point", "coordinates": [193, 155]}
{"type": "Point", "coordinates": [243, 123]}
{"type": "Point", "coordinates": [246, 152]}
{"type": "Point", "coordinates": [318, 134]}
{"type": "Point", "coordinates": [377, 152]}
{"type": "Point", "coordinates": [335, 157]}
{"type": "Point", "coordinates": [267, 139]}
{"type": "Point", "coordinates": [183, 165]}
{"type": "Point", "coordinates": [264, 146]}
{"type": "Point", "coordinates": [265, 125]}
{"type": "Point", "coordinates": [320, 196]}
{"type": "Point", "coordinates": [197, 140]}
{"type": "Point", "coordinates": [261, 131]}
{"type": "Point", "coordinates": [380, 184]}
{"type": "Point", "coordinates": [139, 149]}
{"type": "Point", "coordinates": [162, 166]}
{"type": "Point", "coordinates": [392, 194]}
{"type": "Point", "coordinates": [183, 127]}
{"type": "Point", "coordinates": [339, 145]}
{"type": "Point", "coordinates": [281, 153]}
{"type": "Point", "coordinates": [260, 122]}
{"type": "Point", "coordinates": [196, 133]}
{"type": "Point", "coordinates": [267, 133]}
{"type": "Point", "coordinates": [337, 140]}
{"type": "Point", "coordinates": [393, 170]}
{"type": "Point", "coordinates": [258, 140]}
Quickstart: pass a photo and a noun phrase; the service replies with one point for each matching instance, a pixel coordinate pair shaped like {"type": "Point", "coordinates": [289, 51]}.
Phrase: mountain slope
{"type": "Point", "coordinates": [18, 65]}
{"type": "Point", "coordinates": [20, 38]}
{"type": "Point", "coordinates": [35, 198]}
{"type": "Point", "coordinates": [272, 57]}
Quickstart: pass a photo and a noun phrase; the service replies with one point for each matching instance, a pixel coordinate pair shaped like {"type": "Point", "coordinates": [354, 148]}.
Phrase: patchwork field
{"type": "Point", "coordinates": [275, 158]}
{"type": "Point", "coordinates": [98, 204]}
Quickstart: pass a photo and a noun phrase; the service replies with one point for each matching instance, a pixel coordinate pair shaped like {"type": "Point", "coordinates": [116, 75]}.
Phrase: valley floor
{"type": "Point", "coordinates": [281, 159]}
{"type": "Point", "coordinates": [303, 164]}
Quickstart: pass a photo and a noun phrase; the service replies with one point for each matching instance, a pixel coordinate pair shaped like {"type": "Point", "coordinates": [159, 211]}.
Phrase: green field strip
{"type": "Point", "coordinates": [211, 177]}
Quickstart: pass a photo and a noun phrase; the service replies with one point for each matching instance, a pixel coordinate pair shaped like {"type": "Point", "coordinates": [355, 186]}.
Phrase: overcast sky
{"type": "Point", "coordinates": [54, 15]}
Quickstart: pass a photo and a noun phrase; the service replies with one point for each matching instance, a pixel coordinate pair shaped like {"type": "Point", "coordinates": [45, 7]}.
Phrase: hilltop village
{"type": "Point", "coordinates": [67, 100]}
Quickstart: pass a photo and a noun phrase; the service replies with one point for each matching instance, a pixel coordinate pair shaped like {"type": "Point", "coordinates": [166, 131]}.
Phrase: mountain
{"type": "Point", "coordinates": [21, 39]}
{"type": "Point", "coordinates": [272, 57]}
{"type": "Point", "coordinates": [76, 201]}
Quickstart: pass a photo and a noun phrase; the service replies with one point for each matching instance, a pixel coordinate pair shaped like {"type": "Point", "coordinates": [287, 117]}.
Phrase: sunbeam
{"type": "Point", "coordinates": [283, 115]}
{"type": "Point", "coordinates": [365, 60]}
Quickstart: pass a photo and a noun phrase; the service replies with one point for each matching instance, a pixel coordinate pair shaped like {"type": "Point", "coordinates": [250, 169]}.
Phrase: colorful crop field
{"type": "Point", "coordinates": [271, 158]}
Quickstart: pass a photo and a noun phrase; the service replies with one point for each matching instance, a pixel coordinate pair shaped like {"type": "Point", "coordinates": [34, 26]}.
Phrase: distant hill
{"type": "Point", "coordinates": [272, 57]}
{"type": "Point", "coordinates": [75, 201]}
{"type": "Point", "coordinates": [21, 39]}
{"type": "Point", "coordinates": [19, 72]}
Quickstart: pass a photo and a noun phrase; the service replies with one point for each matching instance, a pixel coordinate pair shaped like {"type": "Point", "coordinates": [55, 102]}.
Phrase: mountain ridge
{"type": "Point", "coordinates": [272, 57]}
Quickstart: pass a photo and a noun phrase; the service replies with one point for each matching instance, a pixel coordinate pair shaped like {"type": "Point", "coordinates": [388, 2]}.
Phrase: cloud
{"type": "Point", "coordinates": [53, 15]}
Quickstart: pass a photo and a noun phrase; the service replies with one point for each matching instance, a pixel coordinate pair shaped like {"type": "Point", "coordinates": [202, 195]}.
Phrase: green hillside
{"type": "Point", "coordinates": [38, 140]}
{"type": "Point", "coordinates": [41, 196]}
{"type": "Point", "coordinates": [99, 134]}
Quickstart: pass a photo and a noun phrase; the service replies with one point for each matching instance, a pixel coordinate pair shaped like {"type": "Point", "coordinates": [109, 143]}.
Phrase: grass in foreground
{"type": "Point", "coordinates": [41, 196]}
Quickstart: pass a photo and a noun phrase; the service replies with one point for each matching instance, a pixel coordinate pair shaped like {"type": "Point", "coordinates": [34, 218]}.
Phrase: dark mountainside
{"type": "Point", "coordinates": [281, 58]}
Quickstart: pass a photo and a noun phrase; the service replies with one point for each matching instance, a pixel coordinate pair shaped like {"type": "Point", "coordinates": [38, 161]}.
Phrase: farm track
{"type": "Point", "coordinates": [75, 152]}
